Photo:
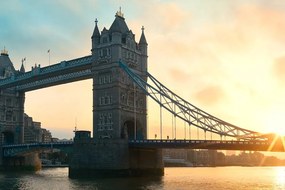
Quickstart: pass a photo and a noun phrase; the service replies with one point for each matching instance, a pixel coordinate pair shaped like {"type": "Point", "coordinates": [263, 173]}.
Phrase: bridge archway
{"type": "Point", "coordinates": [128, 130]}
{"type": "Point", "coordinates": [8, 137]}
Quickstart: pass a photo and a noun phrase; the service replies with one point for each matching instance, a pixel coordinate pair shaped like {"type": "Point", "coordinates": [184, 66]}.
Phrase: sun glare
{"type": "Point", "coordinates": [275, 123]}
{"type": "Point", "coordinates": [280, 176]}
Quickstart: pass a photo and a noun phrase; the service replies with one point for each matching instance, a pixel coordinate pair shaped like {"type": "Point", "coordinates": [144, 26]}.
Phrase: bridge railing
{"type": "Point", "coordinates": [254, 145]}
{"type": "Point", "coordinates": [155, 141]}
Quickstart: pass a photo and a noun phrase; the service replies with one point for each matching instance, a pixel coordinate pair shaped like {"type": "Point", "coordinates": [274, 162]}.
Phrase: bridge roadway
{"type": "Point", "coordinates": [20, 149]}
{"type": "Point", "coordinates": [210, 144]}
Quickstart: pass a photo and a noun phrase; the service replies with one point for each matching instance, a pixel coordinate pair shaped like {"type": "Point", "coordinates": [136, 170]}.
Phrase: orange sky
{"type": "Point", "coordinates": [227, 58]}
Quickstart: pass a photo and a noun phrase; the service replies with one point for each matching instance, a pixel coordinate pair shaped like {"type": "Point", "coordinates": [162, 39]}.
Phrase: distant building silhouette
{"type": "Point", "coordinates": [46, 136]}
{"type": "Point", "coordinates": [32, 130]}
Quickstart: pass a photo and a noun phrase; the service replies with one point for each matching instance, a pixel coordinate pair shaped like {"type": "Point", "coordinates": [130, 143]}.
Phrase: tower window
{"type": "Point", "coordinates": [105, 122]}
{"type": "Point", "coordinates": [105, 52]}
{"type": "Point", "coordinates": [8, 116]}
{"type": "Point", "coordinates": [105, 100]}
{"type": "Point", "coordinates": [124, 40]}
{"type": "Point", "coordinates": [105, 79]}
{"type": "Point", "coordinates": [8, 102]}
{"type": "Point", "coordinates": [105, 40]}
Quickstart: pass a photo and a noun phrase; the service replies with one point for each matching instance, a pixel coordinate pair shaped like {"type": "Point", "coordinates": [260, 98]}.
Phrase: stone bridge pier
{"type": "Point", "coordinates": [112, 158]}
{"type": "Point", "coordinates": [1, 156]}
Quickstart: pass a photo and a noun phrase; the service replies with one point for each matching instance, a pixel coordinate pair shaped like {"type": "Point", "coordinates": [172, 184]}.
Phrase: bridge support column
{"type": "Point", "coordinates": [144, 162]}
{"type": "Point", "coordinates": [1, 156]}
{"type": "Point", "coordinates": [99, 159]}
{"type": "Point", "coordinates": [111, 158]}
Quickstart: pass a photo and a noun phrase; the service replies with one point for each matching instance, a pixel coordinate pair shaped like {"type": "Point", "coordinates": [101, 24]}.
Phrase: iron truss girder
{"type": "Point", "coordinates": [37, 74]}
{"type": "Point", "coordinates": [55, 80]}
{"type": "Point", "coordinates": [184, 110]}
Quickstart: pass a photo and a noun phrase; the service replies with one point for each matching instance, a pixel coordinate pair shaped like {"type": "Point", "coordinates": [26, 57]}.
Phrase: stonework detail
{"type": "Point", "coordinates": [11, 105]}
{"type": "Point", "coordinates": [113, 92]}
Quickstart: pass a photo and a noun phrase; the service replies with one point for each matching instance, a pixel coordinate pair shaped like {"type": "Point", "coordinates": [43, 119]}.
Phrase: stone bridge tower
{"type": "Point", "coordinates": [11, 105]}
{"type": "Point", "coordinates": [119, 108]}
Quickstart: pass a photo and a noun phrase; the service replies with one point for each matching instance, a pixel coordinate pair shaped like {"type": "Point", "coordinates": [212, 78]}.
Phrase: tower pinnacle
{"type": "Point", "coordinates": [4, 51]}
{"type": "Point", "coordinates": [142, 39]}
{"type": "Point", "coordinates": [119, 13]}
{"type": "Point", "coordinates": [96, 32]}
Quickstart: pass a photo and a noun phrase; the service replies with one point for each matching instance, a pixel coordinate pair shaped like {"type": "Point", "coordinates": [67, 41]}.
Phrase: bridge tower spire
{"type": "Point", "coordinates": [143, 47]}
{"type": "Point", "coordinates": [96, 36]}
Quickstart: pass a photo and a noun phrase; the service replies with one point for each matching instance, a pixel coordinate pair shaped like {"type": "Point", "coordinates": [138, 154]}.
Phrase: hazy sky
{"type": "Point", "coordinates": [226, 57]}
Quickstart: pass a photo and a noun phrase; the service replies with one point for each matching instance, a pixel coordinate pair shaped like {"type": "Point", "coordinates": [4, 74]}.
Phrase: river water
{"type": "Point", "coordinates": [215, 178]}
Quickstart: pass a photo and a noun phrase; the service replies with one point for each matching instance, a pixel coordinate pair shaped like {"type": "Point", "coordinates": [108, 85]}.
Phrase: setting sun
{"type": "Point", "coordinates": [274, 122]}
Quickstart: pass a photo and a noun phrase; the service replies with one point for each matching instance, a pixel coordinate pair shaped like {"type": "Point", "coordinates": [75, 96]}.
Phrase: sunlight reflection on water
{"type": "Point", "coordinates": [215, 178]}
{"type": "Point", "coordinates": [280, 177]}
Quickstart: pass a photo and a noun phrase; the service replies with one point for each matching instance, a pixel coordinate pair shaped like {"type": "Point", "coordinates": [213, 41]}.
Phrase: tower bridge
{"type": "Point", "coordinates": [118, 66]}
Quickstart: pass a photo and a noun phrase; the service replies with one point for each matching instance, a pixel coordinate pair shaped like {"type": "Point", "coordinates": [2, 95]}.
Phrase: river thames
{"type": "Point", "coordinates": [214, 178]}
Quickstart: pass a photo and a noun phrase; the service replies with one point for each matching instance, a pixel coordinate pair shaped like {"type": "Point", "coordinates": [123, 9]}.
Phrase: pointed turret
{"type": "Point", "coordinates": [6, 66]}
{"type": "Point", "coordinates": [142, 39]}
{"type": "Point", "coordinates": [119, 24]}
{"type": "Point", "coordinates": [96, 32]}
{"type": "Point", "coordinates": [118, 28]}
{"type": "Point", "coordinates": [96, 36]}
{"type": "Point", "coordinates": [143, 43]}
{"type": "Point", "coordinates": [22, 69]}
{"type": "Point", "coordinates": [143, 47]}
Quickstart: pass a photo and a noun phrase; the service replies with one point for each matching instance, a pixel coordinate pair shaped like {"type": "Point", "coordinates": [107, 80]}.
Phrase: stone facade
{"type": "Point", "coordinates": [11, 106]}
{"type": "Point", "coordinates": [112, 158]}
{"type": "Point", "coordinates": [119, 108]}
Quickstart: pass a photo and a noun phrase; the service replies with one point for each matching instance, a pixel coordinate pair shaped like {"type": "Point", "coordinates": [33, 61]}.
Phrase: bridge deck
{"type": "Point", "coordinates": [209, 144]}
{"type": "Point", "coordinates": [18, 149]}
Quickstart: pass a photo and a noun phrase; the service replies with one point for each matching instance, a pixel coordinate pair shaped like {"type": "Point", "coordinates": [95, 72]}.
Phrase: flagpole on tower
{"type": "Point", "coordinates": [48, 57]}
{"type": "Point", "coordinates": [24, 62]}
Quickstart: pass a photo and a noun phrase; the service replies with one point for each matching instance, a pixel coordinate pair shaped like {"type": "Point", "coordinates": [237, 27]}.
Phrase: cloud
{"type": "Point", "coordinates": [170, 16]}
{"type": "Point", "coordinates": [210, 95]}
{"type": "Point", "coordinates": [179, 75]}
{"type": "Point", "coordinates": [262, 20]}
{"type": "Point", "coordinates": [279, 69]}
